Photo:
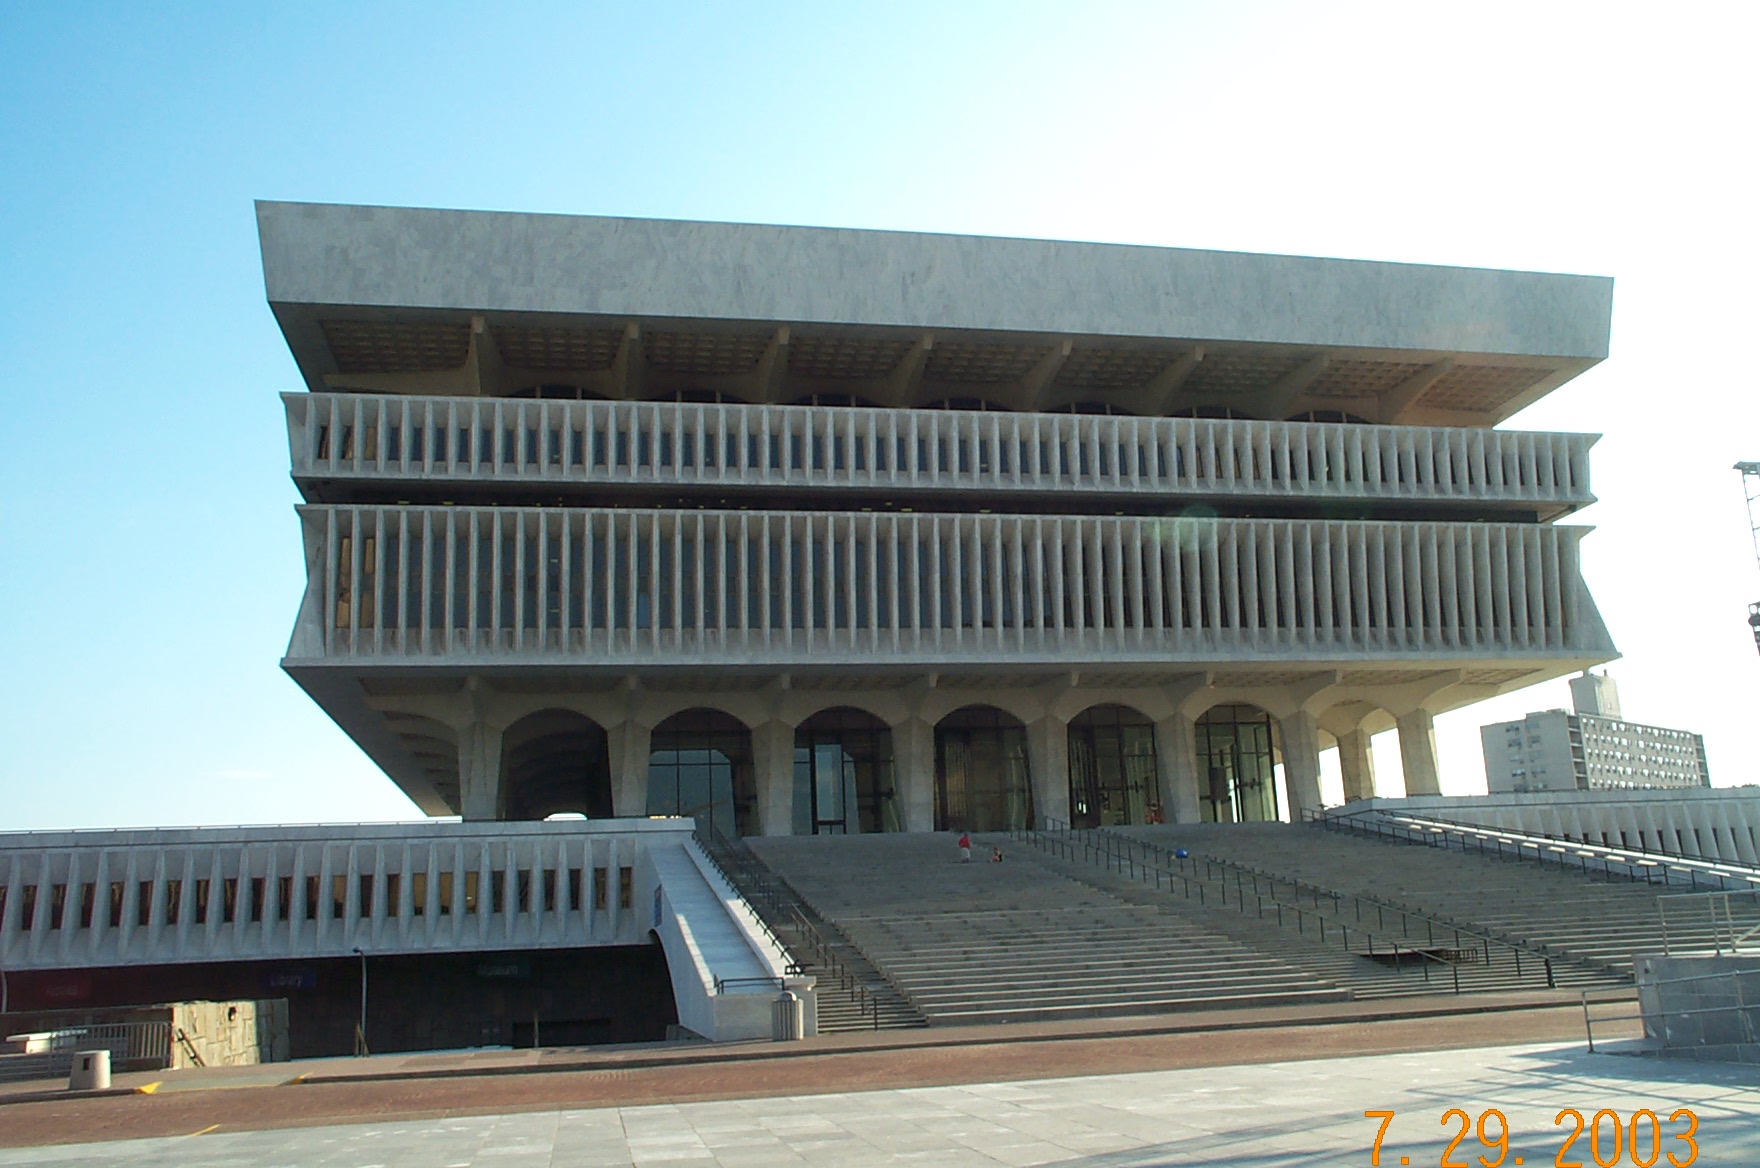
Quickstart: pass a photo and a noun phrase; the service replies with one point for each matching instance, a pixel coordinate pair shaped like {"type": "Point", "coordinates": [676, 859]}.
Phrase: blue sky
{"type": "Point", "coordinates": [149, 557]}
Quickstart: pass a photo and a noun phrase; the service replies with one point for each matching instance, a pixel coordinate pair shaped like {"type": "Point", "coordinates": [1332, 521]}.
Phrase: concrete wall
{"type": "Point", "coordinates": [1701, 1006]}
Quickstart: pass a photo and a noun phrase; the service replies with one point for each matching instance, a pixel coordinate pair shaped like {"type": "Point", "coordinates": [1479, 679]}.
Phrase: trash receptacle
{"type": "Point", "coordinates": [91, 1071]}
{"type": "Point", "coordinates": [787, 1017]}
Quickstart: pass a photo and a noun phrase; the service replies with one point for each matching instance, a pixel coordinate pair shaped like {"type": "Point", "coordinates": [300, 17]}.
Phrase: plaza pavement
{"type": "Point", "coordinates": [1251, 1116]}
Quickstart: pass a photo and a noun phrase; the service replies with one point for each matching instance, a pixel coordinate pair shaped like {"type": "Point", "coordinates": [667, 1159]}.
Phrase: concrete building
{"type": "Point", "coordinates": [805, 530]}
{"type": "Point", "coordinates": [1591, 749]}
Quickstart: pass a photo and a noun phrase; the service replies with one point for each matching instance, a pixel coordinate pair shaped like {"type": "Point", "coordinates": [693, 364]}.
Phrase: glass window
{"type": "Point", "coordinates": [1112, 773]}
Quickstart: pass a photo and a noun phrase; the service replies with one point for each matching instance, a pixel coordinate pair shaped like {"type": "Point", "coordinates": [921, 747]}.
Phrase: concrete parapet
{"type": "Point", "coordinates": [1701, 1006]}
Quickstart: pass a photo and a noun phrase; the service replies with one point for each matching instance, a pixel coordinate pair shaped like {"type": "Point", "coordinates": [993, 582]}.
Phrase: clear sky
{"type": "Point", "coordinates": [149, 556]}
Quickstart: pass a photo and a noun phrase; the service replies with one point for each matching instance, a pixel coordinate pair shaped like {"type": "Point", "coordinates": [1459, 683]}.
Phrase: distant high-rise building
{"type": "Point", "coordinates": [1595, 693]}
{"type": "Point", "coordinates": [1591, 749]}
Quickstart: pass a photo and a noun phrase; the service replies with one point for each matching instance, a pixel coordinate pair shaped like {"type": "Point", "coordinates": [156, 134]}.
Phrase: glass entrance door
{"type": "Point", "coordinates": [981, 780]}
{"type": "Point", "coordinates": [1235, 755]}
{"type": "Point", "coordinates": [1111, 768]}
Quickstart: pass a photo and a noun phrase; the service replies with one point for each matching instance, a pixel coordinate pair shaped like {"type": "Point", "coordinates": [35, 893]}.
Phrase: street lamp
{"type": "Point", "coordinates": [360, 1030]}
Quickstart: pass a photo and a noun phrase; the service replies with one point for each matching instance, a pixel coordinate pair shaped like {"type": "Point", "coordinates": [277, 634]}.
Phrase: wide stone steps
{"type": "Point", "coordinates": [1017, 941]}
{"type": "Point", "coordinates": [1580, 918]}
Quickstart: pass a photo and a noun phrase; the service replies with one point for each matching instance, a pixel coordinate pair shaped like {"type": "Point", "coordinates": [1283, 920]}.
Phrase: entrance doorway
{"type": "Point", "coordinates": [1112, 768]}
{"type": "Point", "coordinates": [1235, 754]}
{"type": "Point", "coordinates": [981, 779]}
{"type": "Point", "coordinates": [843, 775]}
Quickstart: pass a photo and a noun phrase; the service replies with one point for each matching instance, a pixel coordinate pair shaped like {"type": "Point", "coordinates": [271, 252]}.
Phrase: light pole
{"type": "Point", "coordinates": [360, 1030]}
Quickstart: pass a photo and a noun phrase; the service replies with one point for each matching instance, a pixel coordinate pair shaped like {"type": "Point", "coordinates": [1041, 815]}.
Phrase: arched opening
{"type": "Point", "coordinates": [836, 399]}
{"type": "Point", "coordinates": [1092, 407]}
{"type": "Point", "coordinates": [1222, 412]}
{"type": "Point", "coordinates": [981, 778]}
{"type": "Point", "coordinates": [558, 393]}
{"type": "Point", "coordinates": [1236, 757]}
{"type": "Point", "coordinates": [976, 404]}
{"type": "Point", "coordinates": [843, 775]}
{"type": "Point", "coordinates": [1327, 416]}
{"type": "Point", "coordinates": [700, 397]}
{"type": "Point", "coordinates": [700, 765]}
{"type": "Point", "coordinates": [435, 753]}
{"type": "Point", "coordinates": [554, 761]}
{"type": "Point", "coordinates": [1112, 768]}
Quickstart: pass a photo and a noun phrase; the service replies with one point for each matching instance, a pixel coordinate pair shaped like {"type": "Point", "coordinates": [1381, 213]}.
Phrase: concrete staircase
{"type": "Point", "coordinates": [1020, 940]}
{"type": "Point", "coordinates": [1589, 920]}
{"type": "Point", "coordinates": [851, 994]}
{"type": "Point", "coordinates": [1338, 957]}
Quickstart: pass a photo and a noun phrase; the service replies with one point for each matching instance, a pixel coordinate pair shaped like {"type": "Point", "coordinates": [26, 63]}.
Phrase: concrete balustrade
{"type": "Point", "coordinates": [384, 440]}
{"type": "Point", "coordinates": [626, 587]}
{"type": "Point", "coordinates": [80, 899]}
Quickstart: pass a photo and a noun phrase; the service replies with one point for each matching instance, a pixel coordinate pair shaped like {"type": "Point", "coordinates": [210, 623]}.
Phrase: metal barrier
{"type": "Point", "coordinates": [1748, 1050]}
{"type": "Point", "coordinates": [1726, 930]}
{"type": "Point", "coordinates": [146, 1045]}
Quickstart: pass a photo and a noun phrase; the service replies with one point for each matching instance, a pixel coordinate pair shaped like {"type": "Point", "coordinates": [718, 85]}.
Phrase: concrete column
{"type": "Point", "coordinates": [1176, 765]}
{"type": "Point", "coordinates": [1048, 767]}
{"type": "Point", "coordinates": [1301, 762]}
{"type": "Point", "coordinates": [773, 767]}
{"type": "Point", "coordinates": [1417, 753]}
{"type": "Point", "coordinates": [1357, 764]}
{"type": "Point", "coordinates": [479, 771]}
{"type": "Point", "coordinates": [913, 765]}
{"type": "Point", "coordinates": [628, 744]}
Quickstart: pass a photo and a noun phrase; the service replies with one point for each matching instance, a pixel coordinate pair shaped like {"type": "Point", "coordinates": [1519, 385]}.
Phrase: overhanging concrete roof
{"type": "Point", "coordinates": [327, 263]}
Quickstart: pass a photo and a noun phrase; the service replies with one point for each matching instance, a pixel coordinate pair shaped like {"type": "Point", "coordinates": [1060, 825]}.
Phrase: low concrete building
{"type": "Point", "coordinates": [456, 934]}
{"type": "Point", "coordinates": [1592, 749]}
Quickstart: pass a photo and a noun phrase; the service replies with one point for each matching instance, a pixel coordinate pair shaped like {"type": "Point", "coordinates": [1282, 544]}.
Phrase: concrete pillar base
{"type": "Point", "coordinates": [773, 767]}
{"type": "Point", "coordinates": [913, 763]}
{"type": "Point", "coordinates": [1417, 753]}
{"type": "Point", "coordinates": [1356, 763]}
{"type": "Point", "coordinates": [1176, 763]}
{"type": "Point", "coordinates": [628, 745]}
{"type": "Point", "coordinates": [1301, 763]}
{"type": "Point", "coordinates": [479, 772]}
{"type": "Point", "coordinates": [1048, 768]}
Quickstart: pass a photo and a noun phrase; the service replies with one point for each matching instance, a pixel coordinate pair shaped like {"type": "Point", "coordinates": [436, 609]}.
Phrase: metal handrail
{"type": "Point", "coordinates": [825, 958]}
{"type": "Point", "coordinates": [1059, 837]}
{"type": "Point", "coordinates": [791, 965]}
{"type": "Point", "coordinates": [1543, 851]}
{"type": "Point", "coordinates": [1719, 933]}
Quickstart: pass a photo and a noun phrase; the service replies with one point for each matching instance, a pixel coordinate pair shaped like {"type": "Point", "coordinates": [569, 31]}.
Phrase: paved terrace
{"type": "Point", "coordinates": [1213, 1116]}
